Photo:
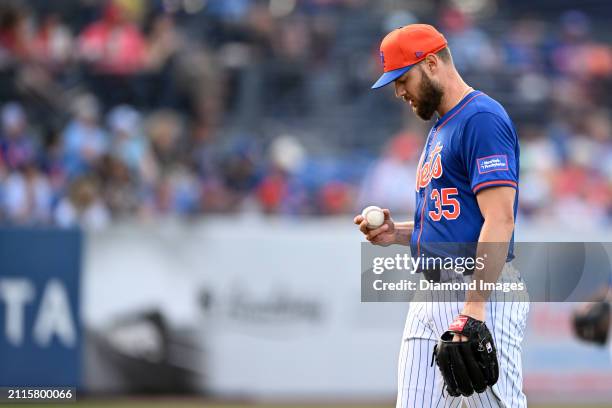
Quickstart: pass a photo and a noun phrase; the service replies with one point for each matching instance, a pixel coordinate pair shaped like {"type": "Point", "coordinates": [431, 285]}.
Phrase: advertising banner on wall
{"type": "Point", "coordinates": [40, 334]}
{"type": "Point", "coordinates": [250, 312]}
{"type": "Point", "coordinates": [272, 309]}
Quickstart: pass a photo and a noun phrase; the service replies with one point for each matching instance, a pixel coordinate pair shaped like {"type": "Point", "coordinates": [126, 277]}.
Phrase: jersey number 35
{"type": "Point", "coordinates": [446, 206]}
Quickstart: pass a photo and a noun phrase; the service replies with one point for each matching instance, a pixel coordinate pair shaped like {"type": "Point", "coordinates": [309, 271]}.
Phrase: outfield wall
{"type": "Point", "coordinates": [274, 306]}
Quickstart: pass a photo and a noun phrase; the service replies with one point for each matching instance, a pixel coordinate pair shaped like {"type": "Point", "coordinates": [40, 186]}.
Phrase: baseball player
{"type": "Point", "coordinates": [466, 191]}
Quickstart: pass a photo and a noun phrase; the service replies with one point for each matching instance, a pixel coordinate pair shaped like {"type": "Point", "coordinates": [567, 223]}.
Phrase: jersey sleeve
{"type": "Point", "coordinates": [489, 152]}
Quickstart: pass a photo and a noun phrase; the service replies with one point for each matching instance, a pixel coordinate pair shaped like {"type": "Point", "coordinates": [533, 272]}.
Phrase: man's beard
{"type": "Point", "coordinates": [430, 96]}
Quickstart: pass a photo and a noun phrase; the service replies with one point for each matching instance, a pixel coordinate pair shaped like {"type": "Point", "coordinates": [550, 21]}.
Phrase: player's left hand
{"type": "Point", "coordinates": [467, 363]}
{"type": "Point", "coordinates": [475, 310]}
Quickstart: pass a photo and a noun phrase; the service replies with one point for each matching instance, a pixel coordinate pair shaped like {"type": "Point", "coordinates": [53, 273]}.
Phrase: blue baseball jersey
{"type": "Point", "coordinates": [472, 147]}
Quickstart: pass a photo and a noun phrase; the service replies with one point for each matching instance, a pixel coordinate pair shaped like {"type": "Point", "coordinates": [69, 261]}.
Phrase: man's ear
{"type": "Point", "coordinates": [432, 63]}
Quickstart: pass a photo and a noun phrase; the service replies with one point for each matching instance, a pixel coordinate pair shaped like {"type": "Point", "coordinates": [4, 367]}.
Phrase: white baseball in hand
{"type": "Point", "coordinates": [374, 216]}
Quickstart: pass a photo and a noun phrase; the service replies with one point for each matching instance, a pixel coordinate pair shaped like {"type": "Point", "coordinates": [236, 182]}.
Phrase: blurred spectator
{"type": "Point", "coordinates": [120, 189]}
{"type": "Point", "coordinates": [14, 38]}
{"type": "Point", "coordinates": [113, 44]}
{"type": "Point", "coordinates": [272, 191]}
{"type": "Point", "coordinates": [201, 81]}
{"type": "Point", "coordinates": [114, 49]}
{"type": "Point", "coordinates": [539, 160]}
{"type": "Point", "coordinates": [177, 193]}
{"type": "Point", "coordinates": [27, 197]}
{"type": "Point", "coordinates": [52, 44]}
{"type": "Point", "coordinates": [241, 169]}
{"type": "Point", "coordinates": [277, 191]}
{"type": "Point", "coordinates": [336, 197]}
{"type": "Point", "coordinates": [164, 42]}
{"type": "Point", "coordinates": [164, 129]}
{"type": "Point", "coordinates": [82, 206]}
{"type": "Point", "coordinates": [129, 145]}
{"type": "Point", "coordinates": [17, 145]}
{"type": "Point", "coordinates": [84, 141]}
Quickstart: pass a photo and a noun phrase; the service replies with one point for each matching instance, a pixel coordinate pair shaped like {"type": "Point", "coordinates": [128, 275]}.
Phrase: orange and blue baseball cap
{"type": "Point", "coordinates": [404, 47]}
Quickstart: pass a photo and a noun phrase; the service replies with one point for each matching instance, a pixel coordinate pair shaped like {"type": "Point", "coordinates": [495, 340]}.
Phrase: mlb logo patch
{"type": "Point", "coordinates": [497, 162]}
{"type": "Point", "coordinates": [382, 58]}
{"type": "Point", "coordinates": [418, 54]}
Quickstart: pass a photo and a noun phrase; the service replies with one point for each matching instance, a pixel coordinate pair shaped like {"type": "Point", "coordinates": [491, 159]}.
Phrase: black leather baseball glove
{"type": "Point", "coordinates": [470, 365]}
{"type": "Point", "coordinates": [592, 324]}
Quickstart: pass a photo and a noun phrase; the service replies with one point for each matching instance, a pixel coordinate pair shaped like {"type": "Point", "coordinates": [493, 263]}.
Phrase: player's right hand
{"type": "Point", "coordinates": [383, 235]}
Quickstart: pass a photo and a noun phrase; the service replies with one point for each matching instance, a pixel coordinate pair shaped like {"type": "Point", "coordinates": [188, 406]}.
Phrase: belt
{"type": "Point", "coordinates": [434, 274]}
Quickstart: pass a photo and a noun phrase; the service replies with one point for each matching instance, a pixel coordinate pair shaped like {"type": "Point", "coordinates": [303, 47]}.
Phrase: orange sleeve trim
{"type": "Point", "coordinates": [492, 183]}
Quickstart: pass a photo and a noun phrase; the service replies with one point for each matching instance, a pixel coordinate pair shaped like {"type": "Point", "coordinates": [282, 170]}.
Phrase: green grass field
{"type": "Point", "coordinates": [173, 403]}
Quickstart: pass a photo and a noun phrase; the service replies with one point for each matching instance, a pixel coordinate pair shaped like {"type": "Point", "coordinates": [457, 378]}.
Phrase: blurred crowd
{"type": "Point", "coordinates": [133, 108]}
